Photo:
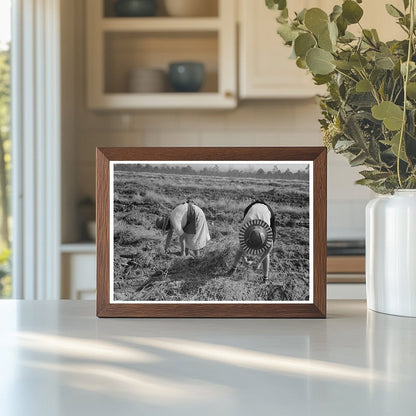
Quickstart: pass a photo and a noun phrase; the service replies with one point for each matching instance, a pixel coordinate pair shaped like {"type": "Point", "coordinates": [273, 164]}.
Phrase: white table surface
{"type": "Point", "coordinates": [57, 358]}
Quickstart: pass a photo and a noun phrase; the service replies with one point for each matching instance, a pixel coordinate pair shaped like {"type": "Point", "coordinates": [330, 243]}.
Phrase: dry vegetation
{"type": "Point", "coordinates": [143, 272]}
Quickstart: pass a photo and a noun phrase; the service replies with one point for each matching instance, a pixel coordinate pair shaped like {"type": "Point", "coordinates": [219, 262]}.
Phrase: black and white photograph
{"type": "Point", "coordinates": [211, 231]}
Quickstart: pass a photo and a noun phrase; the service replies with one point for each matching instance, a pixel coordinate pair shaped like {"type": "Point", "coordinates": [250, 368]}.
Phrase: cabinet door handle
{"type": "Point", "coordinates": [229, 94]}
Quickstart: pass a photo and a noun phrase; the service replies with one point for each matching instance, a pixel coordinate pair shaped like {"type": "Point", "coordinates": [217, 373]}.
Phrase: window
{"type": "Point", "coordinates": [5, 145]}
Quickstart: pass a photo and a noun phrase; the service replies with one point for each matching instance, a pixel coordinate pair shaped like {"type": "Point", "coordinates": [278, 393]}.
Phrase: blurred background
{"type": "Point", "coordinates": [146, 73]}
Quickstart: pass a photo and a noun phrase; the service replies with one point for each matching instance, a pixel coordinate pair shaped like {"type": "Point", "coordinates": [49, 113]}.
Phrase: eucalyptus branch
{"type": "Point", "coordinates": [358, 45]}
{"type": "Point", "coordinates": [364, 76]}
{"type": "Point", "coordinates": [398, 95]}
{"type": "Point", "coordinates": [365, 61]}
{"type": "Point", "coordinates": [369, 40]}
{"type": "Point", "coordinates": [404, 28]}
{"type": "Point", "coordinates": [346, 75]}
{"type": "Point", "coordinates": [373, 88]}
{"type": "Point", "coordinates": [406, 80]}
{"type": "Point", "coordinates": [342, 49]}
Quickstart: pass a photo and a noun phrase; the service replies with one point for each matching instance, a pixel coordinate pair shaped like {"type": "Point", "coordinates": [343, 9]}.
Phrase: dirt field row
{"type": "Point", "coordinates": [143, 272]}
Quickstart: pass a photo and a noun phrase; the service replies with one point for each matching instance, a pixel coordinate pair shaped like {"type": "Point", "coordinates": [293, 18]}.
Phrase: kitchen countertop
{"type": "Point", "coordinates": [57, 358]}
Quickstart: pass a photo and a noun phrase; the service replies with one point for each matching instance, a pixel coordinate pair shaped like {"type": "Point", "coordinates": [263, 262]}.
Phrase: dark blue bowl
{"type": "Point", "coordinates": [135, 8]}
{"type": "Point", "coordinates": [186, 76]}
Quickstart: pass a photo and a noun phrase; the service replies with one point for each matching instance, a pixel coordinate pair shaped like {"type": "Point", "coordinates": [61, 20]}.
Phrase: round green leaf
{"type": "Point", "coordinates": [287, 33]}
{"type": "Point", "coordinates": [375, 35]}
{"type": "Point", "coordinates": [342, 25]}
{"type": "Point", "coordinates": [384, 62]}
{"type": "Point", "coordinates": [347, 37]}
{"type": "Point", "coordinates": [395, 144]}
{"type": "Point", "coordinates": [411, 90]}
{"type": "Point", "coordinates": [358, 61]}
{"type": "Point", "coordinates": [333, 32]}
{"type": "Point", "coordinates": [344, 65]}
{"type": "Point", "coordinates": [284, 14]}
{"type": "Point", "coordinates": [321, 79]}
{"type": "Point", "coordinates": [316, 20]}
{"type": "Point", "coordinates": [369, 38]}
{"type": "Point", "coordinates": [303, 43]}
{"type": "Point", "coordinates": [391, 114]}
{"type": "Point", "coordinates": [336, 12]}
{"type": "Point", "coordinates": [301, 63]}
{"type": "Point", "coordinates": [351, 11]}
{"type": "Point", "coordinates": [328, 38]}
{"type": "Point", "coordinates": [319, 61]}
{"type": "Point", "coordinates": [276, 4]}
{"type": "Point", "coordinates": [412, 67]}
{"type": "Point", "coordinates": [301, 15]}
{"type": "Point", "coordinates": [363, 86]}
{"type": "Point", "coordinates": [281, 4]}
{"type": "Point", "coordinates": [393, 11]}
{"type": "Point", "coordinates": [325, 42]}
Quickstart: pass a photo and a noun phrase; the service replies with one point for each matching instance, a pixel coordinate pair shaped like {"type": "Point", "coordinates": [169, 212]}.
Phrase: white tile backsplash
{"type": "Point", "coordinates": [232, 138]}
{"type": "Point", "coordinates": [346, 219]}
{"type": "Point", "coordinates": [341, 180]}
{"type": "Point", "coordinates": [88, 140]}
{"type": "Point", "coordinates": [215, 120]}
{"type": "Point", "coordinates": [346, 200]}
{"type": "Point", "coordinates": [148, 120]}
{"type": "Point", "coordinates": [171, 138]}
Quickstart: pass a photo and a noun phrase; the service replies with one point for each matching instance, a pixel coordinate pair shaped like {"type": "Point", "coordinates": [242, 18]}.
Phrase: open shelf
{"type": "Point", "coordinates": [116, 46]}
{"type": "Point", "coordinates": [127, 51]}
{"type": "Point", "coordinates": [167, 100]}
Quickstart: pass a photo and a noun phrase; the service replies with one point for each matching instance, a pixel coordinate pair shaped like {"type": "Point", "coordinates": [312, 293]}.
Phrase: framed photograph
{"type": "Point", "coordinates": [211, 232]}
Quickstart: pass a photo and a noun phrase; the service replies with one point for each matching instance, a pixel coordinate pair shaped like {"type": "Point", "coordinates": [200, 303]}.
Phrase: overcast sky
{"type": "Point", "coordinates": [252, 166]}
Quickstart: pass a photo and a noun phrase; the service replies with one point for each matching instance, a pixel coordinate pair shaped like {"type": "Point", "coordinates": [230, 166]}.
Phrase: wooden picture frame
{"type": "Point", "coordinates": [110, 162]}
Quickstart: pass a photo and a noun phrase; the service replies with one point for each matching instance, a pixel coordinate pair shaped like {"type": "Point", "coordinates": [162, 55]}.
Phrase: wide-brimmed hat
{"type": "Point", "coordinates": [163, 222]}
{"type": "Point", "coordinates": [255, 237]}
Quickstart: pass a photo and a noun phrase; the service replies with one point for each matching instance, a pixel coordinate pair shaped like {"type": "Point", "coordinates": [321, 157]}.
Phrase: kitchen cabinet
{"type": "Point", "coordinates": [375, 16]}
{"type": "Point", "coordinates": [346, 277]}
{"type": "Point", "coordinates": [265, 70]}
{"type": "Point", "coordinates": [118, 45]}
{"type": "Point", "coordinates": [78, 263]}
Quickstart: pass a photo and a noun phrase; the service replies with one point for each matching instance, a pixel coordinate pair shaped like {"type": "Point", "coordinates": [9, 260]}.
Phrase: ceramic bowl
{"type": "Point", "coordinates": [186, 76]}
{"type": "Point", "coordinates": [147, 80]}
{"type": "Point", "coordinates": [135, 8]}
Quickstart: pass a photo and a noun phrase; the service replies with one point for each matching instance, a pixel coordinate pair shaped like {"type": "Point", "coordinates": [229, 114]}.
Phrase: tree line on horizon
{"type": "Point", "coordinates": [275, 173]}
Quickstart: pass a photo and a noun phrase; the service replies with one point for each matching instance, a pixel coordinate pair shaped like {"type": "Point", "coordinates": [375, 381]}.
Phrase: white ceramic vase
{"type": "Point", "coordinates": [391, 253]}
